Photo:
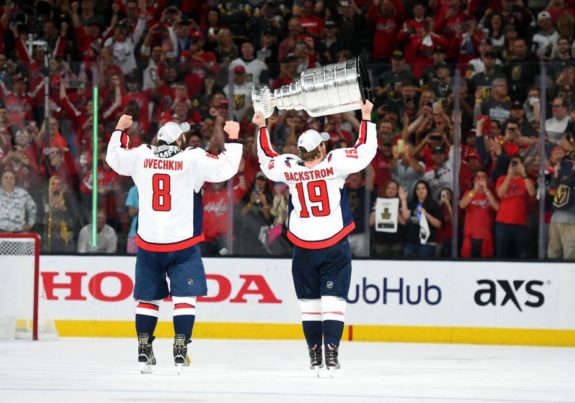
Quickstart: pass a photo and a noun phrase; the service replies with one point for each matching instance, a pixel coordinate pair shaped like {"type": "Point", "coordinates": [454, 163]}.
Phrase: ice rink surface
{"type": "Point", "coordinates": [105, 370]}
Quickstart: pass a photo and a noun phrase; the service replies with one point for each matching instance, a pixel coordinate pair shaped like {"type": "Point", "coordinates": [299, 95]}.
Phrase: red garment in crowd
{"type": "Point", "coordinates": [19, 109]}
{"type": "Point", "coordinates": [445, 233]}
{"type": "Point", "coordinates": [89, 47]}
{"type": "Point", "coordinates": [312, 25]}
{"type": "Point", "coordinates": [479, 217]}
{"type": "Point", "coordinates": [215, 204]}
{"type": "Point", "coordinates": [282, 80]}
{"type": "Point", "coordinates": [445, 25]}
{"type": "Point", "coordinates": [143, 100]}
{"type": "Point", "coordinates": [513, 206]}
{"type": "Point", "coordinates": [382, 169]}
{"type": "Point", "coordinates": [386, 29]}
{"type": "Point", "coordinates": [334, 137]}
{"type": "Point", "coordinates": [419, 51]}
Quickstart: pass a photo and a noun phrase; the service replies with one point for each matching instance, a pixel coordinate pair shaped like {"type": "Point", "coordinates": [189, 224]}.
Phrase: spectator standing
{"type": "Point", "coordinates": [17, 208]}
{"type": "Point", "coordinates": [295, 34]}
{"type": "Point", "coordinates": [425, 219]}
{"type": "Point", "coordinates": [555, 126]}
{"type": "Point", "coordinates": [386, 17]}
{"type": "Point", "coordinates": [106, 237]}
{"type": "Point", "coordinates": [132, 203]}
{"type": "Point", "coordinates": [216, 202]}
{"type": "Point", "coordinates": [351, 24]}
{"type": "Point", "coordinates": [256, 217]}
{"type": "Point", "coordinates": [356, 198]}
{"type": "Point", "coordinates": [123, 44]}
{"type": "Point", "coordinates": [445, 233]}
{"type": "Point", "coordinates": [439, 174]}
{"type": "Point", "coordinates": [60, 218]}
{"type": "Point", "coordinates": [562, 188]}
{"type": "Point", "coordinates": [389, 244]}
{"type": "Point", "coordinates": [256, 69]}
{"type": "Point", "coordinates": [545, 40]}
{"type": "Point", "coordinates": [498, 105]}
{"type": "Point", "coordinates": [480, 206]}
{"type": "Point", "coordinates": [521, 70]}
{"type": "Point", "coordinates": [405, 168]}
{"type": "Point", "coordinates": [239, 93]}
{"type": "Point", "coordinates": [562, 57]}
{"type": "Point", "coordinates": [513, 191]}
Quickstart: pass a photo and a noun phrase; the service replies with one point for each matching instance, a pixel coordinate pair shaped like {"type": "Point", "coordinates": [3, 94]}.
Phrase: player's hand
{"type": "Point", "coordinates": [124, 122]}
{"type": "Point", "coordinates": [259, 120]}
{"type": "Point", "coordinates": [366, 110]}
{"type": "Point", "coordinates": [232, 129]}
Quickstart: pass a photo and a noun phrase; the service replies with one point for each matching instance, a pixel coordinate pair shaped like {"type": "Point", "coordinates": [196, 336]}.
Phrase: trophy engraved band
{"type": "Point", "coordinates": [335, 88]}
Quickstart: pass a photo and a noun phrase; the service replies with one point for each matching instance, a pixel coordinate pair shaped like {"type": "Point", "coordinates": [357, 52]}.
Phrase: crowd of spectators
{"type": "Point", "coordinates": [474, 104]}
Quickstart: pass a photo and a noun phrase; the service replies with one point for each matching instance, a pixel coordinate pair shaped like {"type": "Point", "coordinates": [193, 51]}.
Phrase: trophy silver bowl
{"type": "Point", "coordinates": [335, 88]}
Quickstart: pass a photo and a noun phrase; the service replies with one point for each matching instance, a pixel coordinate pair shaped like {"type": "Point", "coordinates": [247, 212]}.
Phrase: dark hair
{"type": "Point", "coordinates": [428, 198]}
{"type": "Point", "coordinates": [309, 155]}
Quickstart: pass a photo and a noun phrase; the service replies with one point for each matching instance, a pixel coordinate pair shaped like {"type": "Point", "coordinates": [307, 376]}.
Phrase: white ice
{"type": "Point", "coordinates": [95, 370]}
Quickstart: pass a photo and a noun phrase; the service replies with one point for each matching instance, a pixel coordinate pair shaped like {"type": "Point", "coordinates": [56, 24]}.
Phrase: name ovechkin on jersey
{"type": "Point", "coordinates": [308, 175]}
{"type": "Point", "coordinates": [170, 165]}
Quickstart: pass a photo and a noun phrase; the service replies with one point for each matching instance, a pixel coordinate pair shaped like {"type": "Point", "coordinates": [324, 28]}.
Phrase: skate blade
{"type": "Point", "coordinates": [180, 368]}
{"type": "Point", "coordinates": [331, 371]}
{"type": "Point", "coordinates": [145, 368]}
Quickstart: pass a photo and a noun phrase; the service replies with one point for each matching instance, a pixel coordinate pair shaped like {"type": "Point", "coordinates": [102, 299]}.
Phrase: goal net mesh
{"type": "Point", "coordinates": [23, 312]}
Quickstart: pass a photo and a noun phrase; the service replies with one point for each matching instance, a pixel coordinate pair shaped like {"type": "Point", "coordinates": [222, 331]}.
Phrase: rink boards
{"type": "Point", "coordinates": [412, 301]}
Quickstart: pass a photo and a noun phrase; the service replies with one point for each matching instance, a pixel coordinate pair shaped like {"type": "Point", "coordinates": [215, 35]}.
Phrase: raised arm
{"type": "Point", "coordinates": [221, 167]}
{"type": "Point", "coordinates": [356, 158]}
{"type": "Point", "coordinates": [118, 156]}
{"type": "Point", "coordinates": [266, 154]}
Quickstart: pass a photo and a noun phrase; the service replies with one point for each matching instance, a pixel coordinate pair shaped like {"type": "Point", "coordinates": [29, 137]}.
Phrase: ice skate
{"type": "Point", "coordinates": [315, 358]}
{"type": "Point", "coordinates": [181, 357]}
{"type": "Point", "coordinates": [146, 353]}
{"type": "Point", "coordinates": [331, 361]}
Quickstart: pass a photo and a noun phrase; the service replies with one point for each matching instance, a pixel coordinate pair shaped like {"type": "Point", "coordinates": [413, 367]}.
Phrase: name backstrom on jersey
{"type": "Point", "coordinates": [308, 175]}
{"type": "Point", "coordinates": [163, 164]}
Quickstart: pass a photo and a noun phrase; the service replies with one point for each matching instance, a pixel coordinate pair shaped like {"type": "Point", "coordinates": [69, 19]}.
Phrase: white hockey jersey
{"type": "Point", "coordinates": [169, 186]}
{"type": "Point", "coordinates": [319, 215]}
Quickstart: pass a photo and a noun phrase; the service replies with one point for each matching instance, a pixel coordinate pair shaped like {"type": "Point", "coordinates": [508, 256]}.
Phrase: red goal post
{"type": "Point", "coordinates": [20, 288]}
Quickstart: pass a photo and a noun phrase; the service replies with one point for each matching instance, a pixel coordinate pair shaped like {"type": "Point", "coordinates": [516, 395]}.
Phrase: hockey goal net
{"type": "Point", "coordinates": [22, 314]}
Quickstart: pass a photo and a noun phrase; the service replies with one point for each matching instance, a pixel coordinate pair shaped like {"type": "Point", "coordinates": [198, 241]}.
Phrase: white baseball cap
{"type": "Point", "coordinates": [171, 131]}
{"type": "Point", "coordinates": [311, 139]}
{"type": "Point", "coordinates": [542, 15]}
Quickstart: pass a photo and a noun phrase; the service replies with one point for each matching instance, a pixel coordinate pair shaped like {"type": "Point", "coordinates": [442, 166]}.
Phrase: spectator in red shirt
{"type": "Point", "coordinates": [514, 191]}
{"type": "Point", "coordinates": [448, 21]}
{"type": "Point", "coordinates": [295, 34]}
{"type": "Point", "coordinates": [480, 206]}
{"type": "Point", "coordinates": [22, 159]}
{"type": "Point", "coordinates": [312, 23]}
{"type": "Point", "coordinates": [17, 102]}
{"type": "Point", "coordinates": [215, 199]}
{"type": "Point", "coordinates": [386, 17]}
{"type": "Point", "coordinates": [288, 72]}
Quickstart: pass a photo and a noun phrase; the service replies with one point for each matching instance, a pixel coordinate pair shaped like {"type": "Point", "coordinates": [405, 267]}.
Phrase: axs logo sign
{"type": "Point", "coordinates": [521, 293]}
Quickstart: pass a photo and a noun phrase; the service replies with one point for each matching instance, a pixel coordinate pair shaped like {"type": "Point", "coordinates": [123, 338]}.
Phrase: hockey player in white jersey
{"type": "Point", "coordinates": [319, 222]}
{"type": "Point", "coordinates": [169, 179]}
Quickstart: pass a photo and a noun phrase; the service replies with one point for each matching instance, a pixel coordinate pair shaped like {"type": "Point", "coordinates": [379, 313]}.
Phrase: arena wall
{"type": "Point", "coordinates": [394, 301]}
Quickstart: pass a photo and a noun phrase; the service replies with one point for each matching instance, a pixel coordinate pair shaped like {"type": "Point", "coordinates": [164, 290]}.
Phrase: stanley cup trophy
{"type": "Point", "coordinates": [335, 88]}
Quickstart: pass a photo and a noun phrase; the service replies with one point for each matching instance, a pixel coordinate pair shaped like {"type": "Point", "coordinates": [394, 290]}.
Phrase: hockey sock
{"type": "Point", "coordinates": [147, 316]}
{"type": "Point", "coordinates": [311, 320]}
{"type": "Point", "coordinates": [184, 315]}
{"type": "Point", "coordinates": [332, 331]}
{"type": "Point", "coordinates": [333, 315]}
